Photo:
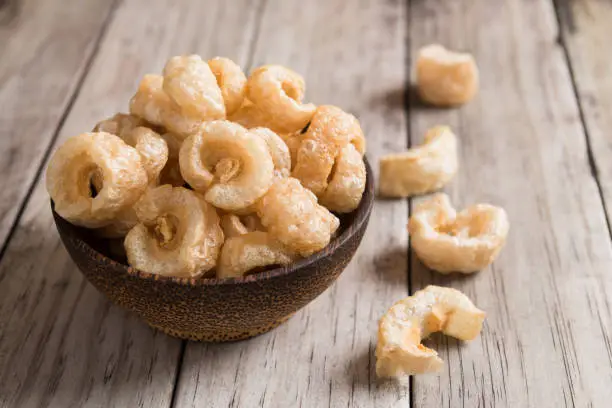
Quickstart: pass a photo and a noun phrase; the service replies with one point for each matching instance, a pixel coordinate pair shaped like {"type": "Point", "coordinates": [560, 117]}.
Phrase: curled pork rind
{"type": "Point", "coordinates": [120, 225]}
{"type": "Point", "coordinates": [422, 169]}
{"type": "Point", "coordinates": [178, 233]}
{"type": "Point", "coordinates": [449, 242]}
{"type": "Point", "coordinates": [445, 78]}
{"type": "Point", "coordinates": [277, 94]}
{"type": "Point", "coordinates": [231, 166]}
{"type": "Point", "coordinates": [347, 182]}
{"type": "Point", "coordinates": [278, 150]}
{"type": "Point", "coordinates": [151, 103]}
{"type": "Point", "coordinates": [292, 215]}
{"type": "Point", "coordinates": [399, 351]}
{"type": "Point", "coordinates": [249, 116]}
{"type": "Point", "coordinates": [189, 81]}
{"type": "Point", "coordinates": [231, 81]}
{"type": "Point", "coordinates": [133, 131]}
{"type": "Point", "coordinates": [329, 132]}
{"type": "Point", "coordinates": [96, 159]}
{"type": "Point", "coordinates": [243, 253]}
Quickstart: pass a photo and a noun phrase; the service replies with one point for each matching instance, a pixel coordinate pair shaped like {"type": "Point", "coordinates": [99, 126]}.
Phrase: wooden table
{"type": "Point", "coordinates": [536, 141]}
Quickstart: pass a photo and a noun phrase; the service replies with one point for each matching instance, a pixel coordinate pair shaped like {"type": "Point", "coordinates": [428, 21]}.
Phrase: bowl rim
{"type": "Point", "coordinates": [361, 215]}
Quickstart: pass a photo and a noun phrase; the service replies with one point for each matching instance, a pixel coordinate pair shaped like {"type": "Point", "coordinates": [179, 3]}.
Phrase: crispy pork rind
{"type": "Point", "coordinates": [422, 169]}
{"type": "Point", "coordinates": [93, 177]}
{"type": "Point", "coordinates": [230, 166]}
{"type": "Point", "coordinates": [245, 252]}
{"type": "Point", "coordinates": [445, 78]}
{"type": "Point", "coordinates": [399, 352]}
{"type": "Point", "coordinates": [292, 215]}
{"type": "Point", "coordinates": [178, 234]}
{"type": "Point", "coordinates": [231, 81]}
{"type": "Point", "coordinates": [449, 242]}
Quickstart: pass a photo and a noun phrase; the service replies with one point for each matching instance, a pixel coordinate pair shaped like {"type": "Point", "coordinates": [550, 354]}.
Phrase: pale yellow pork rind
{"type": "Point", "coordinates": [399, 352]}
{"type": "Point", "coordinates": [292, 215]}
{"type": "Point", "coordinates": [178, 234]}
{"type": "Point", "coordinates": [422, 169]}
{"type": "Point", "coordinates": [449, 242]}
{"type": "Point", "coordinates": [245, 252]}
{"type": "Point", "coordinates": [232, 167]}
{"type": "Point", "coordinates": [445, 78]}
{"type": "Point", "coordinates": [99, 161]}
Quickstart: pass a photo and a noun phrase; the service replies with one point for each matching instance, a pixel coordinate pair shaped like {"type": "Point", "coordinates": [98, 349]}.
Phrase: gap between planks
{"type": "Point", "coordinates": [58, 127]}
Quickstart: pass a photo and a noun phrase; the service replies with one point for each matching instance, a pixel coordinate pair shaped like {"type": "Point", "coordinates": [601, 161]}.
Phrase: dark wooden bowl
{"type": "Point", "coordinates": [217, 309]}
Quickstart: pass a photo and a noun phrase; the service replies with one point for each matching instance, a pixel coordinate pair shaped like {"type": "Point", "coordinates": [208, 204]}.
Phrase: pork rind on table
{"type": "Point", "coordinates": [445, 78]}
{"type": "Point", "coordinates": [447, 241]}
{"type": "Point", "coordinates": [199, 138]}
{"type": "Point", "coordinates": [422, 169]}
{"type": "Point", "coordinates": [399, 352]}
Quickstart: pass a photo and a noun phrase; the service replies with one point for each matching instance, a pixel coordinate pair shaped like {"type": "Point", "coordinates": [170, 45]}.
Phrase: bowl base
{"type": "Point", "coordinates": [221, 336]}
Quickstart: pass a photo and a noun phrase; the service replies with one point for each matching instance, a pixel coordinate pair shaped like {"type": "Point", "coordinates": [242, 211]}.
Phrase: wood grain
{"type": "Point", "coordinates": [546, 342]}
{"type": "Point", "coordinates": [585, 34]}
{"type": "Point", "coordinates": [45, 49]}
{"type": "Point", "coordinates": [351, 56]}
{"type": "Point", "coordinates": [61, 343]}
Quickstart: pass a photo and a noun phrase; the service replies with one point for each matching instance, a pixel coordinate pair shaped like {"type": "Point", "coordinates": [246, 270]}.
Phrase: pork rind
{"type": "Point", "coordinates": [422, 169]}
{"type": "Point", "coordinates": [445, 78]}
{"type": "Point", "coordinates": [178, 234]}
{"type": "Point", "coordinates": [278, 150]}
{"type": "Point", "coordinates": [449, 242]}
{"type": "Point", "coordinates": [329, 132]}
{"type": "Point", "coordinates": [151, 103]}
{"type": "Point", "coordinates": [292, 215]}
{"type": "Point", "coordinates": [132, 130]}
{"type": "Point", "coordinates": [276, 93]}
{"type": "Point", "coordinates": [399, 352]}
{"type": "Point", "coordinates": [93, 177]}
{"type": "Point", "coordinates": [231, 81]}
{"type": "Point", "coordinates": [347, 182]}
{"type": "Point", "coordinates": [191, 84]}
{"type": "Point", "coordinates": [232, 226]}
{"type": "Point", "coordinates": [231, 166]}
{"type": "Point", "coordinates": [243, 253]}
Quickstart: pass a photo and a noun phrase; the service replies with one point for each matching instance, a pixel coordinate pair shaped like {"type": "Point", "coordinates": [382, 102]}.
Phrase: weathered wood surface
{"type": "Point", "coordinates": [586, 33]}
{"type": "Point", "coordinates": [546, 342]}
{"type": "Point", "coordinates": [353, 57]}
{"type": "Point", "coordinates": [61, 343]}
{"type": "Point", "coordinates": [45, 50]}
{"type": "Point", "coordinates": [524, 146]}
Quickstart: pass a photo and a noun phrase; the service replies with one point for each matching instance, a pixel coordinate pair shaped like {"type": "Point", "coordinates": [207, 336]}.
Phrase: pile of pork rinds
{"type": "Point", "coordinates": [213, 173]}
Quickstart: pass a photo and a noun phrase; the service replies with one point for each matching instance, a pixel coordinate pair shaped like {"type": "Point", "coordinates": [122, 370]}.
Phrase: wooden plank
{"type": "Point", "coordinates": [586, 34]}
{"type": "Point", "coordinates": [352, 57]}
{"type": "Point", "coordinates": [546, 341]}
{"type": "Point", "coordinates": [45, 48]}
{"type": "Point", "coordinates": [61, 343]}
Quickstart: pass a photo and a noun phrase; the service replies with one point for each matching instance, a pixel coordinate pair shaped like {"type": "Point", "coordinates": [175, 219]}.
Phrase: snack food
{"type": "Point", "coordinates": [421, 169]}
{"type": "Point", "coordinates": [292, 215]}
{"type": "Point", "coordinates": [231, 81]}
{"type": "Point", "coordinates": [229, 165]}
{"type": "Point", "coordinates": [243, 253]}
{"type": "Point", "coordinates": [449, 242]}
{"type": "Point", "coordinates": [399, 351]}
{"type": "Point", "coordinates": [277, 93]}
{"type": "Point", "coordinates": [158, 175]}
{"type": "Point", "coordinates": [94, 176]}
{"type": "Point", "coordinates": [178, 233]}
{"type": "Point", "coordinates": [445, 78]}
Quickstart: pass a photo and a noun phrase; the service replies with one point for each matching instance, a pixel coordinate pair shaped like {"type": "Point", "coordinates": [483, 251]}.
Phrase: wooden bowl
{"type": "Point", "coordinates": [218, 309]}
